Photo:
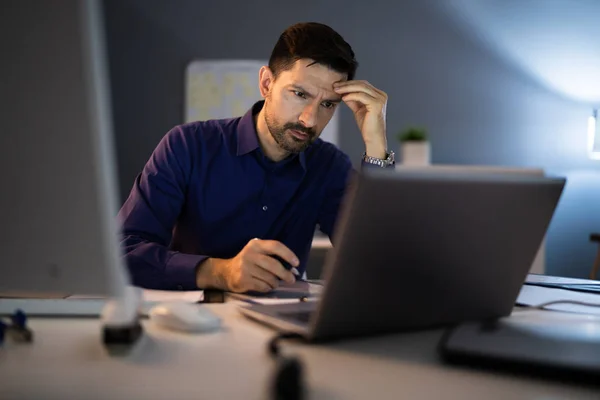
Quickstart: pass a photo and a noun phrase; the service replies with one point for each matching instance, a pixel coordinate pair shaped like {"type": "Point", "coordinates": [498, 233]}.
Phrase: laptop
{"type": "Point", "coordinates": [417, 250]}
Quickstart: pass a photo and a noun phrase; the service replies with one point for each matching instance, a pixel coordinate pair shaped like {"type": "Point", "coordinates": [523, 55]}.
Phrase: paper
{"type": "Point", "coordinates": [90, 305]}
{"type": "Point", "coordinates": [536, 295]}
{"type": "Point", "coordinates": [259, 300]}
{"type": "Point", "coordinates": [84, 297]}
{"type": "Point", "coordinates": [549, 279]}
{"type": "Point", "coordinates": [32, 295]}
{"type": "Point", "coordinates": [158, 296]}
{"type": "Point", "coordinates": [218, 89]}
{"type": "Point", "coordinates": [284, 294]}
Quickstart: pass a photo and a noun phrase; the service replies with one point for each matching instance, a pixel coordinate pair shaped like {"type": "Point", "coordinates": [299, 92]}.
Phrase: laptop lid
{"type": "Point", "coordinates": [422, 249]}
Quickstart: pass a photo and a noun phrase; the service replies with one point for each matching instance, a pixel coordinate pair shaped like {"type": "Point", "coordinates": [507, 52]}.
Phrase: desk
{"type": "Point", "coordinates": [67, 360]}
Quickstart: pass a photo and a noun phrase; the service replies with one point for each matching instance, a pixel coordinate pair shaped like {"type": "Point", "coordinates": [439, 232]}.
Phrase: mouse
{"type": "Point", "coordinates": [184, 317]}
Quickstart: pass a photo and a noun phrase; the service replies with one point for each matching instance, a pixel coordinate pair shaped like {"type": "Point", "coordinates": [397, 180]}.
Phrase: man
{"type": "Point", "coordinates": [227, 203]}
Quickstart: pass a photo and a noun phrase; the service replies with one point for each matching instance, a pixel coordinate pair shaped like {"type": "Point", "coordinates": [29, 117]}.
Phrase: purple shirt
{"type": "Point", "coordinates": [208, 189]}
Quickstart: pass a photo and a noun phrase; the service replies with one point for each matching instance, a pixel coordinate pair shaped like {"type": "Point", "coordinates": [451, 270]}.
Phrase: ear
{"type": "Point", "coordinates": [265, 80]}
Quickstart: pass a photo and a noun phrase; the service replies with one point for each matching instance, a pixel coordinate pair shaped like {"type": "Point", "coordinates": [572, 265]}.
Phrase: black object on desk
{"type": "Point", "coordinates": [568, 352]}
{"type": "Point", "coordinates": [122, 336]}
{"type": "Point", "coordinates": [213, 296]}
{"type": "Point", "coordinates": [288, 382]}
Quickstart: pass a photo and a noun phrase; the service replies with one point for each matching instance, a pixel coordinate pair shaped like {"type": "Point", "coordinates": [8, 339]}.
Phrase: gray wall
{"type": "Point", "coordinates": [479, 108]}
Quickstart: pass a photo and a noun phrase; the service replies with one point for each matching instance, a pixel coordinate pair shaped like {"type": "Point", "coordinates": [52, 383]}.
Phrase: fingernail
{"type": "Point", "coordinates": [295, 271]}
{"type": "Point", "coordinates": [296, 262]}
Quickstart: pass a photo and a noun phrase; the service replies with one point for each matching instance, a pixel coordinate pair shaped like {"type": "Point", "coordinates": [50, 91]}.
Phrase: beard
{"type": "Point", "coordinates": [283, 136]}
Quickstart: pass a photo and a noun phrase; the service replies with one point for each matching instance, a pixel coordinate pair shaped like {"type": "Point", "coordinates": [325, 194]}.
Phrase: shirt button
{"type": "Point", "coordinates": [265, 208]}
{"type": "Point", "coordinates": [179, 287]}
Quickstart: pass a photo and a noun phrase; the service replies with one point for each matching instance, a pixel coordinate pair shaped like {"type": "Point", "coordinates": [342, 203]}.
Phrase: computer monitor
{"type": "Point", "coordinates": [58, 228]}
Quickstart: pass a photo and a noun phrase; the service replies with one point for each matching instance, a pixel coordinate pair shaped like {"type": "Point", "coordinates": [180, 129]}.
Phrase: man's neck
{"type": "Point", "coordinates": [267, 143]}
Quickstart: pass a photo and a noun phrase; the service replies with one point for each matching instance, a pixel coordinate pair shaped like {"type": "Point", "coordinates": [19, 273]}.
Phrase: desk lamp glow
{"type": "Point", "coordinates": [594, 137]}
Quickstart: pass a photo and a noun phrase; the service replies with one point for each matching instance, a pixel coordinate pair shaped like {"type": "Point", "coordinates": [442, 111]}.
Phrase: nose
{"type": "Point", "coordinates": [308, 118]}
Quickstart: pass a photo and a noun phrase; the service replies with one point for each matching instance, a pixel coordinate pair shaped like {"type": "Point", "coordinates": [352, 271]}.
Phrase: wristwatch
{"type": "Point", "coordinates": [389, 160]}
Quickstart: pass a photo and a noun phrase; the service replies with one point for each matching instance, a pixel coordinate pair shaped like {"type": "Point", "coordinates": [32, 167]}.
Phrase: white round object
{"type": "Point", "coordinates": [184, 317]}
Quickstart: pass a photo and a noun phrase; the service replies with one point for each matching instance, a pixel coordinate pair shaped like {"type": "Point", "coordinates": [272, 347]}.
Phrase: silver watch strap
{"type": "Point", "coordinates": [378, 161]}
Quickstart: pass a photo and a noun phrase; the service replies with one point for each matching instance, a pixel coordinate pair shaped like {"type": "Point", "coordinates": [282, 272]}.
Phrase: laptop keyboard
{"type": "Point", "coordinates": [302, 316]}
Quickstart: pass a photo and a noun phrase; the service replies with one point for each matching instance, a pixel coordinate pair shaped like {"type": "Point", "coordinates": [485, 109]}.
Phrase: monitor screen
{"type": "Point", "coordinates": [58, 228]}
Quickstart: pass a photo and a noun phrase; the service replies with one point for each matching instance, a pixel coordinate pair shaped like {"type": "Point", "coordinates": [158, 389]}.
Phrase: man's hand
{"type": "Point", "coordinates": [369, 107]}
{"type": "Point", "coordinates": [254, 268]}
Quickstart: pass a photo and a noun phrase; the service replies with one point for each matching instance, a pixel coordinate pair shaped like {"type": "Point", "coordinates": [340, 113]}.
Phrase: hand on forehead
{"type": "Point", "coordinates": [315, 79]}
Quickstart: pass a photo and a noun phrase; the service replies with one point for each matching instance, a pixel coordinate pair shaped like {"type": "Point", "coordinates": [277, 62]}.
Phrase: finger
{"type": "Point", "coordinates": [362, 98]}
{"type": "Point", "coordinates": [357, 87]}
{"type": "Point", "coordinates": [352, 82]}
{"type": "Point", "coordinates": [373, 91]}
{"type": "Point", "coordinates": [260, 286]}
{"type": "Point", "coordinates": [276, 248]}
{"type": "Point", "coordinates": [265, 276]}
{"type": "Point", "coordinates": [274, 267]}
{"type": "Point", "coordinates": [354, 106]}
{"type": "Point", "coordinates": [378, 91]}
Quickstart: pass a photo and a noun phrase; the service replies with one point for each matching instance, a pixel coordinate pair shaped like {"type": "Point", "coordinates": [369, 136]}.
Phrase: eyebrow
{"type": "Point", "coordinates": [301, 89]}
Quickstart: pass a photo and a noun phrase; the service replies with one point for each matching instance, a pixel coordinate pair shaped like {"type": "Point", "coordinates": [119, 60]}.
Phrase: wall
{"type": "Point", "coordinates": [478, 107]}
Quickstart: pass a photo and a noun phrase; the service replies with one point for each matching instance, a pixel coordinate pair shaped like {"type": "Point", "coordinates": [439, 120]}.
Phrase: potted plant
{"type": "Point", "coordinates": [414, 146]}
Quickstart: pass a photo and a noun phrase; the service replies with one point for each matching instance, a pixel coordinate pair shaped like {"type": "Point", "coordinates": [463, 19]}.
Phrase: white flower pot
{"type": "Point", "coordinates": [416, 153]}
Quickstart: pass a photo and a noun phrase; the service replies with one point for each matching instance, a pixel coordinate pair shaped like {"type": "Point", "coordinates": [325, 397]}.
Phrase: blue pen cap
{"type": "Point", "coordinates": [19, 319]}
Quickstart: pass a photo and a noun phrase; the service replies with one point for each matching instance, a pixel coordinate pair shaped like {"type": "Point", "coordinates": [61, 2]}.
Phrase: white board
{"type": "Point", "coordinates": [216, 89]}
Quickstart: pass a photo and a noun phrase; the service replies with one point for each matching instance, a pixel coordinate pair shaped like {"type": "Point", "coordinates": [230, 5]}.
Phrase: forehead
{"type": "Point", "coordinates": [315, 76]}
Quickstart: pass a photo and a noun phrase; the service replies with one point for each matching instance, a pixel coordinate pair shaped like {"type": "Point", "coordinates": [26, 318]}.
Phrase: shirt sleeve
{"type": "Point", "coordinates": [344, 176]}
{"type": "Point", "coordinates": [149, 214]}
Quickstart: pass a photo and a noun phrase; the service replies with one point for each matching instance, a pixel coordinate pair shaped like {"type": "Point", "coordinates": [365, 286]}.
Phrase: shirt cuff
{"type": "Point", "coordinates": [181, 271]}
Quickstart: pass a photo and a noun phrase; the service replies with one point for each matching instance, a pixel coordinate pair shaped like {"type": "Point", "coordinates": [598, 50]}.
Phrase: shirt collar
{"type": "Point", "coordinates": [247, 136]}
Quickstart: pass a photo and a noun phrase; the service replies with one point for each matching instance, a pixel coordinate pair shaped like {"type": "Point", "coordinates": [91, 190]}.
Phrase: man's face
{"type": "Point", "coordinates": [300, 103]}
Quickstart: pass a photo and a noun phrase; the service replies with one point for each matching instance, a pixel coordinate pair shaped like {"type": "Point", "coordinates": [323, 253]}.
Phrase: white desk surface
{"type": "Point", "coordinates": [67, 360]}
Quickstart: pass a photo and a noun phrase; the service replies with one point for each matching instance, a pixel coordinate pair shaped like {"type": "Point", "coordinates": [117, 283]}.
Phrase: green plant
{"type": "Point", "coordinates": [412, 134]}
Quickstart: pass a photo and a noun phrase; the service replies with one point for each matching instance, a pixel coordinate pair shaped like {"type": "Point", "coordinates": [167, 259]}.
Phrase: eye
{"type": "Point", "coordinates": [328, 104]}
{"type": "Point", "coordinates": [299, 94]}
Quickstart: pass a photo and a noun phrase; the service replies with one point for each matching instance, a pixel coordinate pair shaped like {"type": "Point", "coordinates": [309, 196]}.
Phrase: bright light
{"type": "Point", "coordinates": [556, 42]}
{"type": "Point", "coordinates": [593, 137]}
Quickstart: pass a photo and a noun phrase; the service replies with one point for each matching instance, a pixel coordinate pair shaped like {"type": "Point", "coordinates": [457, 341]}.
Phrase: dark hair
{"type": "Point", "coordinates": [314, 41]}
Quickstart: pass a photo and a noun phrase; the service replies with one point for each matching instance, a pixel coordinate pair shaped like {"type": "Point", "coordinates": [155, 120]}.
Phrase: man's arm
{"type": "Point", "coordinates": [368, 104]}
{"type": "Point", "coordinates": [149, 215]}
{"type": "Point", "coordinates": [333, 200]}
